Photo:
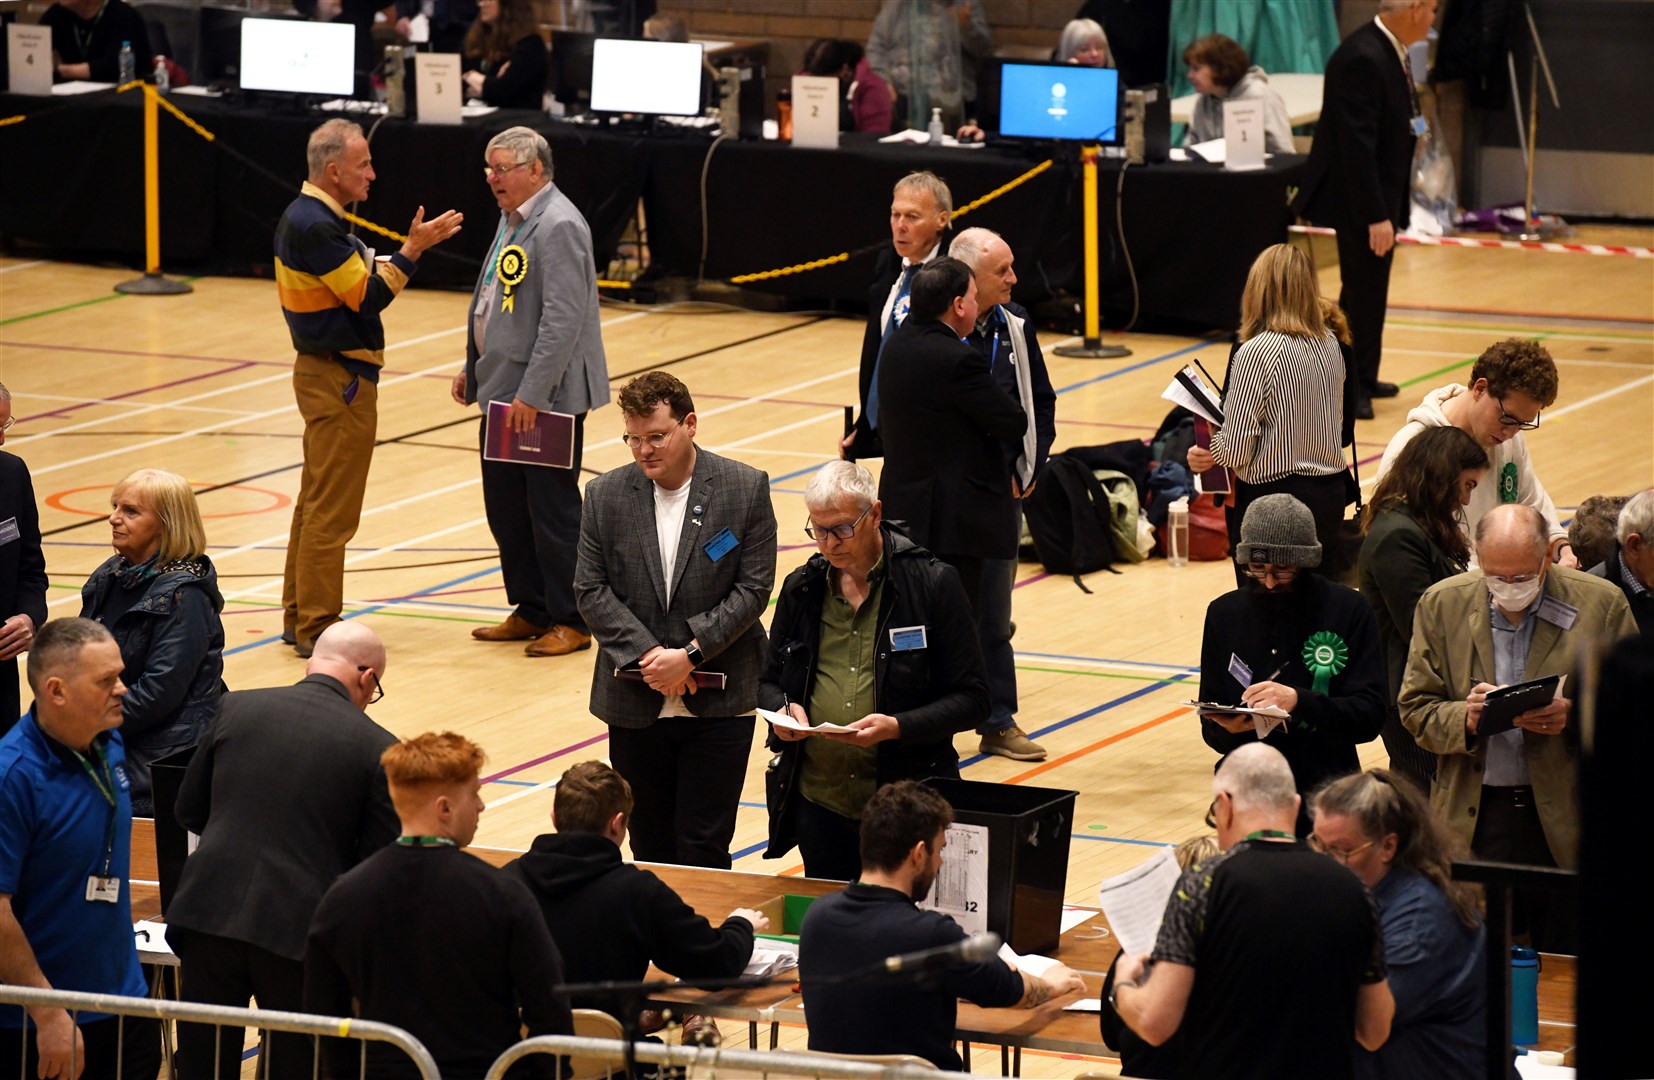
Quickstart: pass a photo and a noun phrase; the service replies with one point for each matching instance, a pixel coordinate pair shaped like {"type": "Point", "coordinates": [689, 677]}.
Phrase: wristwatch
{"type": "Point", "coordinates": [696, 656]}
{"type": "Point", "coordinates": [1113, 993]}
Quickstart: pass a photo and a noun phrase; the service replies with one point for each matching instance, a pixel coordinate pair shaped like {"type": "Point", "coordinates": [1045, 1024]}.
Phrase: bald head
{"type": "Point", "coordinates": [1253, 791]}
{"type": "Point", "coordinates": [1512, 531]}
{"type": "Point", "coordinates": [990, 259]}
{"type": "Point", "coordinates": [353, 654]}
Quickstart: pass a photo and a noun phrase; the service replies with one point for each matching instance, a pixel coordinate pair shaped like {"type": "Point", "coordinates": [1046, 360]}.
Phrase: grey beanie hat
{"type": "Point", "coordinates": [1278, 529]}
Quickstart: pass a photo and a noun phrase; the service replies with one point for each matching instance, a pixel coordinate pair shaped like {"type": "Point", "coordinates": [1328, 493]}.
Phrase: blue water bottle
{"type": "Point", "coordinates": [1524, 996]}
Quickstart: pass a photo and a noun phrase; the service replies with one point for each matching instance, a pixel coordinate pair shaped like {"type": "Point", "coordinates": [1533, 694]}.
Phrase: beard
{"type": "Point", "coordinates": [921, 887]}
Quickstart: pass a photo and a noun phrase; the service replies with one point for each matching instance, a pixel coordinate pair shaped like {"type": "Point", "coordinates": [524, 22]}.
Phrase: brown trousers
{"type": "Point", "coordinates": [338, 448]}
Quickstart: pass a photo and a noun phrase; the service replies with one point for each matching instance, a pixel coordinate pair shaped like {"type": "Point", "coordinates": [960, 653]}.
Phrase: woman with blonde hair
{"type": "Point", "coordinates": [158, 595]}
{"type": "Point", "coordinates": [1380, 827]}
{"type": "Point", "coordinates": [1286, 403]}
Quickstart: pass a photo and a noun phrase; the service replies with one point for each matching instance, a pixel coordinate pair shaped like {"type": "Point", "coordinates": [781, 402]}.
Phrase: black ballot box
{"type": "Point", "coordinates": [1009, 849]}
{"type": "Point", "coordinates": [172, 841]}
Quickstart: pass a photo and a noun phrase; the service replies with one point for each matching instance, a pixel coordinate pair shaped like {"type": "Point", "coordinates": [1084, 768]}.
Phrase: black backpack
{"type": "Point", "coordinates": [1068, 516]}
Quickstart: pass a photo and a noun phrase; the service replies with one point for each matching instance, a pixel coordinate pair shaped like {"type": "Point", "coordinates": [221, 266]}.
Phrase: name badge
{"type": "Point", "coordinates": [720, 545]}
{"type": "Point", "coordinates": [1421, 126]}
{"type": "Point", "coordinates": [1242, 673]}
{"type": "Point", "coordinates": [1557, 613]}
{"type": "Point", "coordinates": [907, 638]}
{"type": "Point", "coordinates": [103, 890]}
{"type": "Point", "coordinates": [9, 531]}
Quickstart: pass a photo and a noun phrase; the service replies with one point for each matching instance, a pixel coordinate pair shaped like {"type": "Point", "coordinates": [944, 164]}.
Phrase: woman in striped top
{"type": "Point", "coordinates": [1284, 402]}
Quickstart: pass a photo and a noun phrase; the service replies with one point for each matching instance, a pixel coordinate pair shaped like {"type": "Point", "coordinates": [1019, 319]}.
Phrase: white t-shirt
{"type": "Point", "coordinates": [669, 508]}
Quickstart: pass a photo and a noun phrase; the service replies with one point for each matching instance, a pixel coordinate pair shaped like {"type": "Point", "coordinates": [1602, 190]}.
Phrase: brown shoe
{"type": "Point", "coordinates": [512, 629]}
{"type": "Point", "coordinates": [558, 641]}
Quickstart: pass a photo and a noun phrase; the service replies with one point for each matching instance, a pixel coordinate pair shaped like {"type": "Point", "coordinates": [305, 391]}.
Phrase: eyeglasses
{"type": "Point", "coordinates": [1514, 579]}
{"type": "Point", "coordinates": [10, 420]}
{"type": "Point", "coordinates": [1212, 811]}
{"type": "Point", "coordinates": [843, 532]}
{"type": "Point", "coordinates": [1259, 571]}
{"type": "Point", "coordinates": [378, 687]}
{"type": "Point", "coordinates": [1317, 844]}
{"type": "Point", "coordinates": [491, 171]}
{"type": "Point", "coordinates": [656, 439]}
{"type": "Point", "coordinates": [1507, 420]}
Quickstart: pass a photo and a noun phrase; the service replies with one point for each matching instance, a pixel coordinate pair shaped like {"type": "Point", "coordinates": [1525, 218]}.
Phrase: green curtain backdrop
{"type": "Point", "coordinates": [1279, 35]}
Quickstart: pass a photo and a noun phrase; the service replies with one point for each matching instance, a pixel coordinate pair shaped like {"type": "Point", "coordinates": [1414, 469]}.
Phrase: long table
{"type": "Point", "coordinates": [71, 180]}
{"type": "Point", "coordinates": [715, 893]}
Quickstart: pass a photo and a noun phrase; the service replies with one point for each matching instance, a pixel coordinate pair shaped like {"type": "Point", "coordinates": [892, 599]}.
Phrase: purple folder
{"type": "Point", "coordinates": [550, 442]}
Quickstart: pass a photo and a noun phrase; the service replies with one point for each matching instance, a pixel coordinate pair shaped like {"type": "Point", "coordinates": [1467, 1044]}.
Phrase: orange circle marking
{"type": "Point", "coordinates": [59, 500]}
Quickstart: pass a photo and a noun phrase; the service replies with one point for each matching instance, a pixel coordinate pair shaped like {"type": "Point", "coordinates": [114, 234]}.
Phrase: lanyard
{"type": "Point", "coordinates": [1268, 834]}
{"type": "Point", "coordinates": [106, 788]}
{"type": "Point", "coordinates": [426, 841]}
{"type": "Point", "coordinates": [85, 42]}
{"type": "Point", "coordinates": [491, 267]}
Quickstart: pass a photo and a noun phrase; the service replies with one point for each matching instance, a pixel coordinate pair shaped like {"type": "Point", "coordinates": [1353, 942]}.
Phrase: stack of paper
{"type": "Point", "coordinates": [1135, 901]}
{"type": "Point", "coordinates": [1264, 719]}
{"type": "Point", "coordinates": [771, 959]}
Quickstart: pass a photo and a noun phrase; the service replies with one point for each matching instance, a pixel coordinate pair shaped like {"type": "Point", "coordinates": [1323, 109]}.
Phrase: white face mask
{"type": "Point", "coordinates": [1515, 597]}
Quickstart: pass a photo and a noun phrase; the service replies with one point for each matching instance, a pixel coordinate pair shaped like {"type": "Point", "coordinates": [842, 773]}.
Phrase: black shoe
{"type": "Point", "coordinates": [1383, 389]}
{"type": "Point", "coordinates": [1363, 408]}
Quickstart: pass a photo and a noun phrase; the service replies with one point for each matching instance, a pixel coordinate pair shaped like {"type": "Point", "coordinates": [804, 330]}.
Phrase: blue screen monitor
{"type": "Point", "coordinates": [1059, 101]}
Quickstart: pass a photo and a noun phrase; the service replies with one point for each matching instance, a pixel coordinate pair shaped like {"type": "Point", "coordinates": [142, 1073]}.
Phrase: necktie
{"type": "Point", "coordinates": [898, 314]}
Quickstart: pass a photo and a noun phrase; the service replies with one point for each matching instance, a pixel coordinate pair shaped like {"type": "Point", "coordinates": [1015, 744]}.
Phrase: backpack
{"type": "Point", "coordinates": [1124, 512]}
{"type": "Point", "coordinates": [1069, 517]}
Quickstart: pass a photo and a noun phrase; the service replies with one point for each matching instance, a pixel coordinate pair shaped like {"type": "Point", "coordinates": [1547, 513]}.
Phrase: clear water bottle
{"type": "Point", "coordinates": [128, 63]}
{"type": "Point", "coordinates": [1177, 533]}
{"type": "Point", "coordinates": [163, 76]}
{"type": "Point", "coordinates": [936, 127]}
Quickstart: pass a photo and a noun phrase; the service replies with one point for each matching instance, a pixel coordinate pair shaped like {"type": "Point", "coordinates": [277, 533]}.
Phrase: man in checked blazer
{"type": "Point", "coordinates": [677, 558]}
{"type": "Point", "coordinates": [535, 345]}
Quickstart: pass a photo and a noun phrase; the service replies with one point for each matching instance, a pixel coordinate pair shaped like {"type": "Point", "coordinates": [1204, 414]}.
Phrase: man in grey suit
{"type": "Point", "coordinates": [287, 793]}
{"type": "Point", "coordinates": [677, 557]}
{"type": "Point", "coordinates": [534, 345]}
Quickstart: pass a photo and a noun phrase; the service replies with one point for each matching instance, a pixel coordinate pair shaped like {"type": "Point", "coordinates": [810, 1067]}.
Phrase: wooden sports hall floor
{"type": "Point", "coordinates": [200, 384]}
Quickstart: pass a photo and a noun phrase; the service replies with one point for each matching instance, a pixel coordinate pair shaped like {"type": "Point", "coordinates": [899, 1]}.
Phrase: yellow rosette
{"type": "Point", "coordinates": [512, 269]}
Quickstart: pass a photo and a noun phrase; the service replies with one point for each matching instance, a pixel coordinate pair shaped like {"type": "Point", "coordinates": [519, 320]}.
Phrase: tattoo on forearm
{"type": "Point", "coordinates": [1035, 992]}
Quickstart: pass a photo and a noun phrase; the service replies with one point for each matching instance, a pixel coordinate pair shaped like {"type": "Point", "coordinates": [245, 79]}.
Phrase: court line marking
{"type": "Point", "coordinates": [23, 266]}
{"type": "Point", "coordinates": [1557, 414]}
{"type": "Point", "coordinates": [1558, 359]}
{"type": "Point", "coordinates": [1482, 331]}
{"type": "Point", "coordinates": [1140, 365]}
{"type": "Point", "coordinates": [33, 396]}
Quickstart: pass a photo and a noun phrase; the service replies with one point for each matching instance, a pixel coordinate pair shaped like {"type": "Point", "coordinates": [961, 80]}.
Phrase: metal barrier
{"type": "Point", "coordinates": [715, 1060]}
{"type": "Point", "coordinates": [222, 1016]}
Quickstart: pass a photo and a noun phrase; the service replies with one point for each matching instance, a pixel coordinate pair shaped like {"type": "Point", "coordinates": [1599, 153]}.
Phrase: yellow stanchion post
{"type": "Point", "coordinates": [1092, 348]}
{"type": "Point", "coordinates": [153, 283]}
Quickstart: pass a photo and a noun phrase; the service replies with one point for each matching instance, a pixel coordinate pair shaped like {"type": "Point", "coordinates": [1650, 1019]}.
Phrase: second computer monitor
{"type": "Point", "coordinates": [1059, 101]}
{"type": "Point", "coordinates": [652, 78]}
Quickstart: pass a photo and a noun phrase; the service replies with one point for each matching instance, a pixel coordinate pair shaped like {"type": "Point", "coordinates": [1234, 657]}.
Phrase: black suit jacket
{"type": "Point", "coordinates": [944, 422]}
{"type": "Point", "coordinates": [22, 571]}
{"type": "Point", "coordinates": [287, 793]}
{"type": "Point", "coordinates": [1361, 165]}
{"type": "Point", "coordinates": [885, 272]}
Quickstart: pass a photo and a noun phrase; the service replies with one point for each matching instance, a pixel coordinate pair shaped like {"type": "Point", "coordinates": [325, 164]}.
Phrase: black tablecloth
{"type": "Point", "coordinates": [71, 178]}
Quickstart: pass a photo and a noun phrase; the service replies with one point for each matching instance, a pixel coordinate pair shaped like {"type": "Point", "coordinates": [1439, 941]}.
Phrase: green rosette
{"type": "Point", "coordinates": [1325, 654]}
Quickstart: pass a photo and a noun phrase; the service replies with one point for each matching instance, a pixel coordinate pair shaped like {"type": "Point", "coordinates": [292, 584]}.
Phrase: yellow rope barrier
{"type": "Point", "coordinates": [814, 264]}
{"type": "Point", "coordinates": [1003, 188]}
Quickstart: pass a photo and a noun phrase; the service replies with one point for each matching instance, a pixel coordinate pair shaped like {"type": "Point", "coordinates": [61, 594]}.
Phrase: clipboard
{"type": "Point", "coordinates": [1505, 704]}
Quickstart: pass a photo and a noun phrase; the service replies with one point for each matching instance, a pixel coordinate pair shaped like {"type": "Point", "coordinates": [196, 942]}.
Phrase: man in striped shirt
{"type": "Point", "coordinates": [331, 293]}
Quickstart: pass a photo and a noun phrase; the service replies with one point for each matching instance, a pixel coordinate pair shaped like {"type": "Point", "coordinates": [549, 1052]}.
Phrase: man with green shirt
{"type": "Point", "coordinates": [873, 633]}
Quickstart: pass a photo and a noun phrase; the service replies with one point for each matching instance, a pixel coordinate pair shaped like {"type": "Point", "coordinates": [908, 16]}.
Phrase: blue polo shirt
{"type": "Point", "coordinates": [54, 824]}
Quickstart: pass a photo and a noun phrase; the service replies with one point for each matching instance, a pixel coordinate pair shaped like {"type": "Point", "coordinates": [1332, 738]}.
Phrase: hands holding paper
{"type": "Point", "coordinates": [870, 729]}
{"type": "Point", "coordinates": [1264, 695]}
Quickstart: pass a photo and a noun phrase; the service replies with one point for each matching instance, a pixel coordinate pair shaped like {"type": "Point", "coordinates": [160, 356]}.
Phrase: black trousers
{"type": "Point", "coordinates": [686, 774]}
{"type": "Point", "coordinates": [134, 1042]}
{"type": "Point", "coordinates": [829, 842]}
{"type": "Point", "coordinates": [1364, 296]}
{"type": "Point", "coordinates": [534, 514]}
{"type": "Point", "coordinates": [11, 697]}
{"type": "Point", "coordinates": [1508, 830]}
{"type": "Point", "coordinates": [217, 970]}
{"type": "Point", "coordinates": [1325, 497]}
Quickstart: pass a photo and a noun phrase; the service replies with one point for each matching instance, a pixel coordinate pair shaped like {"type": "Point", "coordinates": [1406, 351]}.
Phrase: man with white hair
{"type": "Point", "coordinates": [1630, 564]}
{"type": "Point", "coordinates": [1268, 936]}
{"type": "Point", "coordinates": [1512, 796]}
{"type": "Point", "coordinates": [873, 633]}
{"type": "Point", "coordinates": [285, 791]}
{"type": "Point", "coordinates": [332, 290]}
{"type": "Point", "coordinates": [1005, 336]}
{"type": "Point", "coordinates": [534, 346]}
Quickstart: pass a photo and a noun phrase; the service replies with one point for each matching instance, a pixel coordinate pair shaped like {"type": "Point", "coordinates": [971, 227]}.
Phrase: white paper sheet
{"type": "Point", "coordinates": [1073, 916]}
{"type": "Point", "coordinates": [1135, 901]}
{"type": "Point", "coordinates": [1203, 401]}
{"type": "Point", "coordinates": [1033, 963]}
{"type": "Point", "coordinates": [961, 889]}
{"type": "Point", "coordinates": [782, 720]}
{"type": "Point", "coordinates": [81, 86]}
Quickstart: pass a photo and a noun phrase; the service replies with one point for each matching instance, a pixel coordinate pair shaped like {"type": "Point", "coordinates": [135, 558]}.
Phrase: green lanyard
{"type": "Point", "coordinates": [491, 267]}
{"type": "Point", "coordinates": [106, 788]}
{"type": "Point", "coordinates": [85, 42]}
{"type": "Point", "coordinates": [426, 841]}
{"type": "Point", "coordinates": [1268, 834]}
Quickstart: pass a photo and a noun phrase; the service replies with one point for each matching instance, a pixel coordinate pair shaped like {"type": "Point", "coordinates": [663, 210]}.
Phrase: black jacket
{"type": "Point", "coordinates": [22, 571]}
{"type": "Point", "coordinates": [1642, 604]}
{"type": "Point", "coordinates": [1398, 564]}
{"type": "Point", "coordinates": [610, 919]}
{"type": "Point", "coordinates": [933, 692]}
{"type": "Point", "coordinates": [1267, 633]}
{"type": "Point", "coordinates": [944, 423]}
{"type": "Point", "coordinates": [885, 272]}
{"type": "Point", "coordinates": [1361, 166]}
{"type": "Point", "coordinates": [287, 793]}
{"type": "Point", "coordinates": [172, 643]}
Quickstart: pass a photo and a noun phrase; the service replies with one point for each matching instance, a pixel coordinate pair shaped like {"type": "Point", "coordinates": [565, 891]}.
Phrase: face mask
{"type": "Point", "coordinates": [1514, 597]}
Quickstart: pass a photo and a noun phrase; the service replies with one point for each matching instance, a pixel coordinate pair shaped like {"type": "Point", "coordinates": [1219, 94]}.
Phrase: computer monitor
{"type": "Point", "coordinates": [571, 67]}
{"type": "Point", "coordinates": [292, 57]}
{"type": "Point", "coordinates": [654, 78]}
{"type": "Point", "coordinates": [1059, 101]}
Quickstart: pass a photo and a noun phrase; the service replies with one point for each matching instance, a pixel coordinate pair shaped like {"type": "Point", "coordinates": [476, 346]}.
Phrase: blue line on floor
{"type": "Point", "coordinates": [474, 575]}
{"type": "Point", "coordinates": [774, 480]}
{"type": "Point", "coordinates": [1141, 364]}
{"type": "Point", "coordinates": [1108, 660]}
{"type": "Point", "coordinates": [1122, 840]}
